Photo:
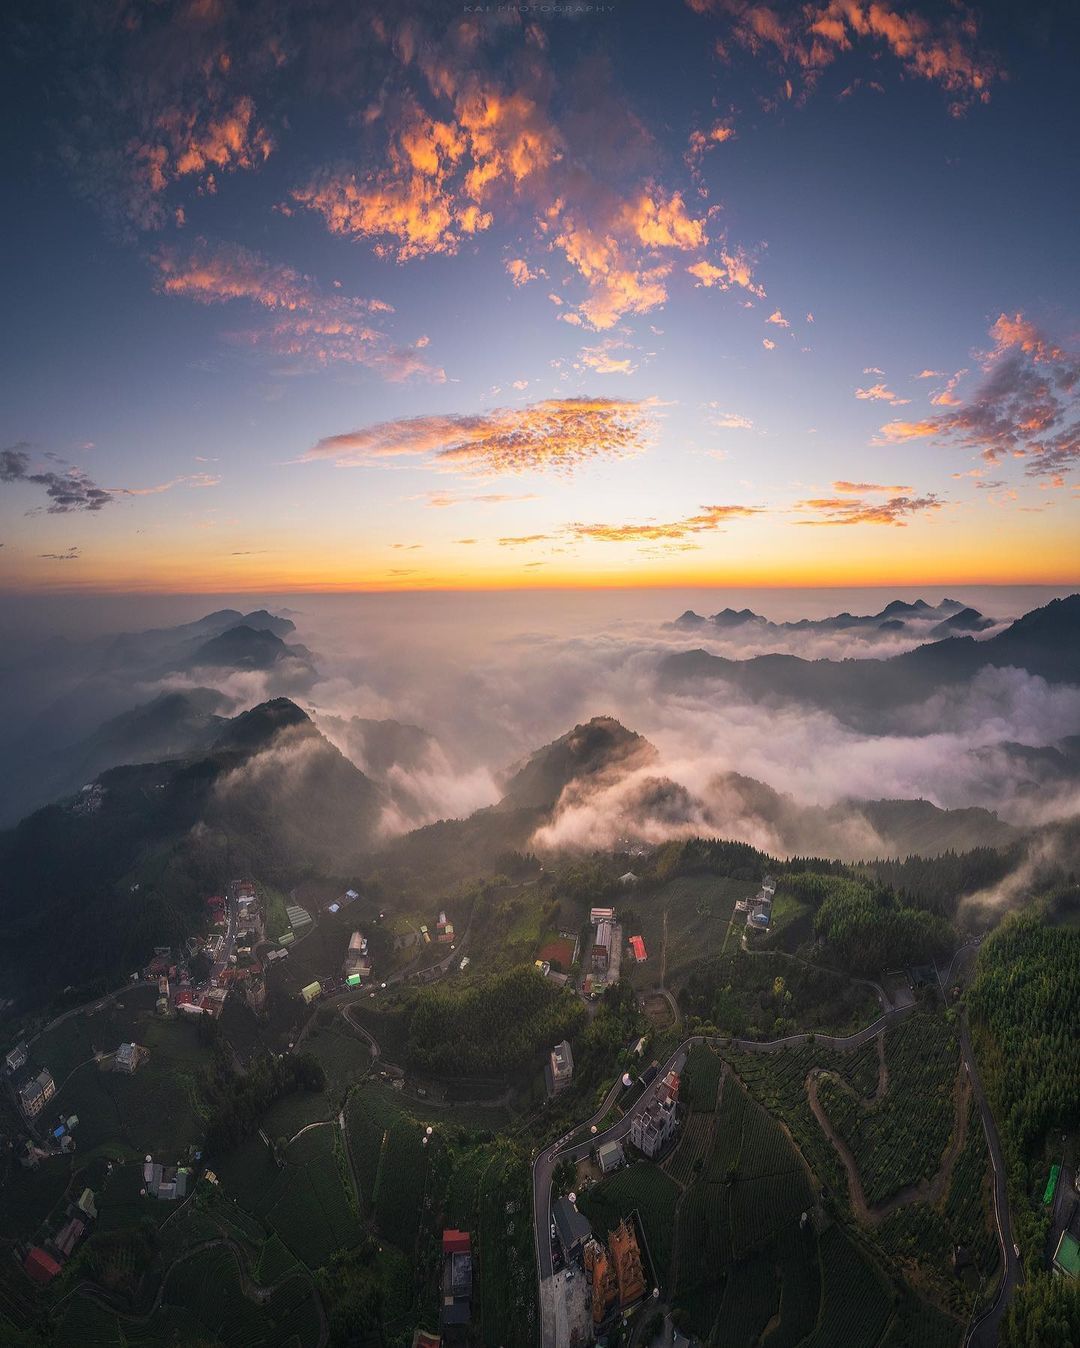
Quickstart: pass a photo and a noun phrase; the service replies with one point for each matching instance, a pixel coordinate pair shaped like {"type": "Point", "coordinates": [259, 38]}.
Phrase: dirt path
{"type": "Point", "coordinates": [926, 1191]}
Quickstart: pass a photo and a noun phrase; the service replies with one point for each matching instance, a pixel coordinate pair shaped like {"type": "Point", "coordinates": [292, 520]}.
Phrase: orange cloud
{"type": "Point", "coordinates": [946, 397]}
{"type": "Point", "coordinates": [601, 359]}
{"type": "Point", "coordinates": [881, 393]}
{"type": "Point", "coordinates": [768, 344]}
{"type": "Point", "coordinates": [558, 435]}
{"type": "Point", "coordinates": [894, 432]}
{"type": "Point", "coordinates": [843, 510]}
{"type": "Point", "coordinates": [862, 488]}
{"type": "Point", "coordinates": [709, 519]}
{"type": "Point", "coordinates": [778, 319]}
{"type": "Point", "coordinates": [309, 326]}
{"type": "Point", "coordinates": [520, 271]}
{"type": "Point", "coordinates": [1027, 406]}
{"type": "Point", "coordinates": [661, 221]}
{"type": "Point", "coordinates": [809, 38]}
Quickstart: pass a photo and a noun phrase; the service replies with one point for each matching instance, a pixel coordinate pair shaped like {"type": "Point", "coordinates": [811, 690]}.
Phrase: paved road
{"type": "Point", "coordinates": [544, 1165]}
{"type": "Point", "coordinates": [984, 1332]}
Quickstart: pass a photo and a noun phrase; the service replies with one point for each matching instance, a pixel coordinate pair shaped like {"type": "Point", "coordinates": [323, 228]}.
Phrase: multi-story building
{"type": "Point", "coordinates": [652, 1129]}
{"type": "Point", "coordinates": [35, 1094]}
{"type": "Point", "coordinates": [602, 945]}
{"type": "Point", "coordinates": [561, 1067]}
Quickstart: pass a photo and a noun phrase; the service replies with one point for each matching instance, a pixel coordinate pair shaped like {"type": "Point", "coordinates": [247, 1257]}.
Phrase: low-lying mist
{"type": "Point", "coordinates": [489, 679]}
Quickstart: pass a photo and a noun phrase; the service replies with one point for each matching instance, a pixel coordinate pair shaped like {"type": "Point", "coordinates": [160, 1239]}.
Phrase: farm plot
{"type": "Point", "coordinates": [899, 1139]}
{"type": "Point", "coordinates": [855, 1305]}
{"type": "Point", "coordinates": [800, 1288]}
{"type": "Point", "coordinates": [751, 1299]}
{"type": "Point", "coordinates": [507, 1270]}
{"type": "Point", "coordinates": [778, 1082]}
{"type": "Point", "coordinates": [400, 1181]}
{"type": "Point", "coordinates": [369, 1112]}
{"type": "Point", "coordinates": [646, 1188]}
{"type": "Point", "coordinates": [203, 1301]}
{"type": "Point", "coordinates": [695, 1143]}
{"type": "Point", "coordinates": [701, 1078]}
{"type": "Point", "coordinates": [927, 1235]}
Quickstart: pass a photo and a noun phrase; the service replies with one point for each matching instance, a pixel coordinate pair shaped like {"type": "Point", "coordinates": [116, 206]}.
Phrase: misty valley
{"type": "Point", "coordinates": [331, 1020]}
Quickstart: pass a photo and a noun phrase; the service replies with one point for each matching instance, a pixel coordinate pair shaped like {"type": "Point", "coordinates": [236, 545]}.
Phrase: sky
{"type": "Point", "coordinates": [412, 296]}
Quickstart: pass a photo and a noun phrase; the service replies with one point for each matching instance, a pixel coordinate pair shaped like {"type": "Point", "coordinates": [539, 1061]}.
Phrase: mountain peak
{"type": "Point", "coordinates": [596, 746]}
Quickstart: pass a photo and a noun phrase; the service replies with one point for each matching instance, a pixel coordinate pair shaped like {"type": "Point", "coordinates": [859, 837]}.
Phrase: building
{"type": "Point", "coordinates": [571, 1227]}
{"type": "Point", "coordinates": [560, 1068]}
{"type": "Point", "coordinates": [605, 1287]}
{"type": "Point", "coordinates": [652, 1129]}
{"type": "Point", "coordinates": [36, 1093]}
{"type": "Point", "coordinates": [668, 1091]}
{"type": "Point", "coordinates": [637, 949]}
{"type": "Point", "coordinates": [610, 1156]}
{"type": "Point", "coordinates": [602, 943]}
{"type": "Point", "coordinates": [69, 1236]}
{"type": "Point", "coordinates": [40, 1266]}
{"type": "Point", "coordinates": [628, 880]}
{"type": "Point", "coordinates": [1067, 1256]}
{"type": "Point", "coordinates": [164, 1181]}
{"type": "Point", "coordinates": [16, 1059]}
{"type": "Point", "coordinates": [310, 992]}
{"type": "Point", "coordinates": [456, 1309]}
{"type": "Point", "coordinates": [626, 1256]}
{"type": "Point", "coordinates": [598, 915]}
{"type": "Point", "coordinates": [127, 1056]}
{"type": "Point", "coordinates": [357, 959]}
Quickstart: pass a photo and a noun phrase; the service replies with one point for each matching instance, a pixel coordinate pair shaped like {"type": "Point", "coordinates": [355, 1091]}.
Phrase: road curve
{"type": "Point", "coordinates": [544, 1165]}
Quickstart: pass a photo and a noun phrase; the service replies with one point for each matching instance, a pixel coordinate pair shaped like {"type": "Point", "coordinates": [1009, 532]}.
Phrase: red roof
{"type": "Point", "coordinates": [637, 945]}
{"type": "Point", "coordinates": [184, 997]}
{"type": "Point", "coordinates": [42, 1267]}
{"type": "Point", "coordinates": [456, 1242]}
{"type": "Point", "coordinates": [215, 901]}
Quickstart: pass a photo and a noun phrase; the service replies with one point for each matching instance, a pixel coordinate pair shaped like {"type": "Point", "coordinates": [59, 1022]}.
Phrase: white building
{"type": "Point", "coordinates": [610, 1156]}
{"type": "Point", "coordinates": [652, 1129]}
{"type": "Point", "coordinates": [598, 915]}
{"type": "Point", "coordinates": [35, 1094]}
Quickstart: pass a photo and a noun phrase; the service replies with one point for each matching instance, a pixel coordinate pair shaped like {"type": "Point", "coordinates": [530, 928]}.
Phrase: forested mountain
{"type": "Point", "coordinates": [88, 885]}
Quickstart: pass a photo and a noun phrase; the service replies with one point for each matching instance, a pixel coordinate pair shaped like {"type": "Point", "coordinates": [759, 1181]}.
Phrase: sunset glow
{"type": "Point", "coordinates": [628, 296]}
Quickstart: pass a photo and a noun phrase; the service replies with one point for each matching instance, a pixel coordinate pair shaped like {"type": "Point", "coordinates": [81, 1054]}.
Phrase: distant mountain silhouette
{"type": "Point", "coordinates": [1045, 642]}
{"type": "Point", "coordinates": [243, 647]}
{"type": "Point", "coordinates": [896, 616]}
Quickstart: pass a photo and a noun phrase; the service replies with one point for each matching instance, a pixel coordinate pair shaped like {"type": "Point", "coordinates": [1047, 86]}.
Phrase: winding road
{"type": "Point", "coordinates": [983, 1333]}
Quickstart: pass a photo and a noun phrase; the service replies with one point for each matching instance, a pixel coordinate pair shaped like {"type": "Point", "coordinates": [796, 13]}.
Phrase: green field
{"type": "Point", "coordinates": [899, 1139]}
{"type": "Point", "coordinates": [763, 994]}
{"type": "Point", "coordinates": [738, 1222]}
{"type": "Point", "coordinates": [203, 1299]}
{"type": "Point", "coordinates": [698, 908]}
{"type": "Point", "coordinates": [307, 1204]}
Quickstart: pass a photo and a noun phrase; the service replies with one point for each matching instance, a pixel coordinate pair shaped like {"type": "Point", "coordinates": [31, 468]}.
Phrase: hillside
{"type": "Point", "coordinates": [91, 884]}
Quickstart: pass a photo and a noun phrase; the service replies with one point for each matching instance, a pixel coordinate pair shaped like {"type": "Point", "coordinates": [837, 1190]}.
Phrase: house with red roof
{"type": "Point", "coordinates": [41, 1266]}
